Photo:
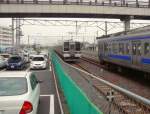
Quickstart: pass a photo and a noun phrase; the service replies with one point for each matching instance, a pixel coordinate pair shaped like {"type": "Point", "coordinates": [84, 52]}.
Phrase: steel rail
{"type": "Point", "coordinates": [128, 97]}
{"type": "Point", "coordinates": [131, 94]}
{"type": "Point", "coordinates": [121, 95]}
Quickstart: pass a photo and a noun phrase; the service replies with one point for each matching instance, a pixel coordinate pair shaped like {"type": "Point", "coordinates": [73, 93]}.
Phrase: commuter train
{"type": "Point", "coordinates": [130, 50]}
{"type": "Point", "coordinates": [70, 50]}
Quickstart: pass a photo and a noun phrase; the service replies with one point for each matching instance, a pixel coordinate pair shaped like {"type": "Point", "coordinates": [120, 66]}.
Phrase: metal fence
{"type": "Point", "coordinates": [113, 3]}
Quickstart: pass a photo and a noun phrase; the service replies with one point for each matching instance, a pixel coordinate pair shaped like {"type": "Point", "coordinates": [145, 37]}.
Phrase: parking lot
{"type": "Point", "coordinates": [48, 98]}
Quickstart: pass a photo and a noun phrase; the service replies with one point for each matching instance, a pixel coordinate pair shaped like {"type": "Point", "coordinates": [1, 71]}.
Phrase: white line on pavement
{"type": "Point", "coordinates": [58, 96]}
{"type": "Point", "coordinates": [51, 111]}
{"type": "Point", "coordinates": [50, 68]}
{"type": "Point", "coordinates": [52, 104]}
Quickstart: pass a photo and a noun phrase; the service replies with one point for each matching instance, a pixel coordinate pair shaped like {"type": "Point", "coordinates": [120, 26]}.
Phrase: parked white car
{"type": "Point", "coordinates": [38, 62]}
{"type": "Point", "coordinates": [19, 93]}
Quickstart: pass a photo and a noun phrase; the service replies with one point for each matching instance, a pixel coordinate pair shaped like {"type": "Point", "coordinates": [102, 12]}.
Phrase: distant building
{"type": "Point", "coordinates": [5, 37]}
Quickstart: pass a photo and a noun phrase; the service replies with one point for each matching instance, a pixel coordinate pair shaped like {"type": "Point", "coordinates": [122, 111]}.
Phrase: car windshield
{"type": "Point", "coordinates": [14, 59]}
{"type": "Point", "coordinates": [10, 86]}
{"type": "Point", "coordinates": [38, 59]}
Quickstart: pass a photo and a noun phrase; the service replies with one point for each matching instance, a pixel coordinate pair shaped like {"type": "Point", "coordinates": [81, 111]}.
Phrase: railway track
{"type": "Point", "coordinates": [129, 80]}
{"type": "Point", "coordinates": [124, 103]}
{"type": "Point", "coordinates": [121, 101]}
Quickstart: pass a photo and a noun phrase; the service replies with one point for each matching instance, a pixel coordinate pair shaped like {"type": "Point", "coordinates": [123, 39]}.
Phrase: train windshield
{"type": "Point", "coordinates": [77, 46]}
{"type": "Point", "coordinates": [72, 46]}
{"type": "Point", "coordinates": [66, 46]}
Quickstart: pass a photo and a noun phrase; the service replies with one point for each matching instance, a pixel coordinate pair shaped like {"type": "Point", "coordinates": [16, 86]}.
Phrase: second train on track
{"type": "Point", "coordinates": [130, 50]}
{"type": "Point", "coordinates": [69, 50]}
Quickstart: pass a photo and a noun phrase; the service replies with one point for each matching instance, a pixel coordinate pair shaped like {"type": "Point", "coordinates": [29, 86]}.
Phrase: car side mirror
{"type": "Point", "coordinates": [39, 81]}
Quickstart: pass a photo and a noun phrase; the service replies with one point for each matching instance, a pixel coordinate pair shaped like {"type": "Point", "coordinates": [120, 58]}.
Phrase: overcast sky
{"type": "Point", "coordinates": [50, 35]}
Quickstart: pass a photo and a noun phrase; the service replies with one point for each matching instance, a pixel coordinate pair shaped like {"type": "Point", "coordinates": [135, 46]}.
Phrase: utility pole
{"type": "Point", "coordinates": [106, 28]}
{"type": "Point", "coordinates": [28, 41]}
{"type": "Point", "coordinates": [94, 44]}
{"type": "Point", "coordinates": [76, 28]}
{"type": "Point", "coordinates": [13, 30]}
{"type": "Point", "coordinates": [18, 33]}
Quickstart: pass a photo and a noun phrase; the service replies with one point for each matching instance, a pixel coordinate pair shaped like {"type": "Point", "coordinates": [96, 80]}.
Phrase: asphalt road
{"type": "Point", "coordinates": [47, 91]}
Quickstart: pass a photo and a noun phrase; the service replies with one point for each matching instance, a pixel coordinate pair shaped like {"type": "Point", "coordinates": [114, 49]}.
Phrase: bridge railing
{"type": "Point", "coordinates": [113, 3]}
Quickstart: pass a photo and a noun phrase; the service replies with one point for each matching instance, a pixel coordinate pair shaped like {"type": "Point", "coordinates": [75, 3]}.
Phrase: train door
{"type": "Point", "coordinates": [136, 52]}
{"type": "Point", "coordinates": [77, 46]}
{"type": "Point", "coordinates": [72, 48]}
{"type": "Point", "coordinates": [105, 49]}
{"type": "Point", "coordinates": [146, 55]}
{"type": "Point", "coordinates": [66, 46]}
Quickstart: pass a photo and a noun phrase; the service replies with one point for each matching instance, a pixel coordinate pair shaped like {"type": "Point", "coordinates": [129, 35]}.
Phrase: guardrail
{"type": "Point", "coordinates": [113, 3]}
{"type": "Point", "coordinates": [77, 100]}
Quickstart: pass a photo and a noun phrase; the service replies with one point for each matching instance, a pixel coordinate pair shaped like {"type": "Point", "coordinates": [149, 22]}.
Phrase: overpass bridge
{"type": "Point", "coordinates": [80, 9]}
{"type": "Point", "coordinates": [120, 9]}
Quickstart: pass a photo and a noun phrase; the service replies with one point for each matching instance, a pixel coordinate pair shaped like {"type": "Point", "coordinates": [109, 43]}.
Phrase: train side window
{"type": "Point", "coordinates": [134, 49]}
{"type": "Point", "coordinates": [139, 49]}
{"type": "Point", "coordinates": [105, 47]}
{"type": "Point", "coordinates": [108, 47]}
{"type": "Point", "coordinates": [146, 48]}
{"type": "Point", "coordinates": [78, 46]}
{"type": "Point", "coordinates": [121, 48]}
{"type": "Point", "coordinates": [114, 46]}
{"type": "Point", "coordinates": [66, 46]}
{"type": "Point", "coordinates": [127, 48]}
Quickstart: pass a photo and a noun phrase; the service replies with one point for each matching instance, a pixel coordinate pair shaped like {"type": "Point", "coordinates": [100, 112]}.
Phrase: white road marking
{"type": "Point", "coordinates": [52, 110]}
{"type": "Point", "coordinates": [58, 96]}
{"type": "Point", "coordinates": [50, 68]}
{"type": "Point", "coordinates": [52, 103]}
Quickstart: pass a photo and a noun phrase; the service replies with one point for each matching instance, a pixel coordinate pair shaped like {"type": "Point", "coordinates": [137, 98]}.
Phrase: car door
{"type": "Point", "coordinates": [136, 52]}
{"type": "Point", "coordinates": [35, 91]}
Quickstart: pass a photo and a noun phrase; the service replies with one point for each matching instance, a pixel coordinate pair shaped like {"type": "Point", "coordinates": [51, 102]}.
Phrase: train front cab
{"type": "Point", "coordinates": [71, 51]}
